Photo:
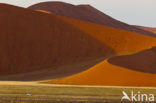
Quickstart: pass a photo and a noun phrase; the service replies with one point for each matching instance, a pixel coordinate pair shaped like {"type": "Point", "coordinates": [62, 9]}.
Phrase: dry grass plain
{"type": "Point", "coordinates": [16, 92]}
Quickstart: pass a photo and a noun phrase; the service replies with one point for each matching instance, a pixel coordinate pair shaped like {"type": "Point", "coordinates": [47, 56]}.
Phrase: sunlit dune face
{"type": "Point", "coordinates": [43, 11]}
{"type": "Point", "coordinates": [106, 73]}
{"type": "Point", "coordinates": [110, 75]}
{"type": "Point", "coordinates": [118, 71]}
{"type": "Point", "coordinates": [121, 41]}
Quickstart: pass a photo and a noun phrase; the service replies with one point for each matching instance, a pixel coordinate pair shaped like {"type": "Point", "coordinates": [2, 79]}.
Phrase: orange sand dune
{"type": "Point", "coordinates": [147, 29]}
{"type": "Point", "coordinates": [85, 13]}
{"type": "Point", "coordinates": [33, 41]}
{"type": "Point", "coordinates": [144, 61]}
{"type": "Point", "coordinates": [121, 41]}
{"type": "Point", "coordinates": [109, 75]}
{"type": "Point", "coordinates": [110, 72]}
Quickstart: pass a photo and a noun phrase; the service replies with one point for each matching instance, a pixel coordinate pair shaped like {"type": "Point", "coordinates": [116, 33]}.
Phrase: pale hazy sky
{"type": "Point", "coordinates": [136, 12]}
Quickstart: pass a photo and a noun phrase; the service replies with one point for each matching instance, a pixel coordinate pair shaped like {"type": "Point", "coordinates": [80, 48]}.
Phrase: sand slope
{"type": "Point", "coordinates": [38, 45]}
{"type": "Point", "coordinates": [147, 29]}
{"type": "Point", "coordinates": [144, 61]}
{"type": "Point", "coordinates": [85, 13]}
{"type": "Point", "coordinates": [107, 73]}
{"type": "Point", "coordinates": [121, 41]}
{"type": "Point", "coordinates": [32, 41]}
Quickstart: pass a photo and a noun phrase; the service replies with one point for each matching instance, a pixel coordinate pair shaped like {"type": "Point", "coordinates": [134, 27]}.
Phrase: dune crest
{"type": "Point", "coordinates": [86, 13]}
{"type": "Point", "coordinates": [36, 42]}
{"type": "Point", "coordinates": [111, 72]}
{"type": "Point", "coordinates": [147, 29]}
{"type": "Point", "coordinates": [109, 75]}
{"type": "Point", "coordinates": [144, 61]}
{"type": "Point", "coordinates": [33, 41]}
{"type": "Point", "coordinates": [121, 41]}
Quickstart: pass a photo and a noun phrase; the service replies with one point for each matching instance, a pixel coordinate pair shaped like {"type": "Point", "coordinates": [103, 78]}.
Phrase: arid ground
{"type": "Point", "coordinates": [56, 52]}
{"type": "Point", "coordinates": [32, 92]}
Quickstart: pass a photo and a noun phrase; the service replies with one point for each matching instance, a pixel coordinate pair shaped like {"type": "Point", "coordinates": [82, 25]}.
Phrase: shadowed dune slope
{"type": "Point", "coordinates": [144, 61]}
{"type": "Point", "coordinates": [153, 30]}
{"type": "Point", "coordinates": [108, 73]}
{"type": "Point", "coordinates": [86, 13]}
{"type": "Point", "coordinates": [121, 41]}
{"type": "Point", "coordinates": [33, 41]}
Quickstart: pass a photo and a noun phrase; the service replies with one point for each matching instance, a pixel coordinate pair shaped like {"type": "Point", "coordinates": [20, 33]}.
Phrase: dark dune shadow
{"type": "Point", "coordinates": [144, 61]}
{"type": "Point", "coordinates": [53, 72]}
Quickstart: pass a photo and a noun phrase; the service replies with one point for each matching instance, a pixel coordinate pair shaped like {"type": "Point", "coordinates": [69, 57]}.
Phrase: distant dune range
{"type": "Point", "coordinates": [37, 45]}
{"type": "Point", "coordinates": [86, 13]}
{"type": "Point", "coordinates": [147, 29]}
{"type": "Point", "coordinates": [113, 72]}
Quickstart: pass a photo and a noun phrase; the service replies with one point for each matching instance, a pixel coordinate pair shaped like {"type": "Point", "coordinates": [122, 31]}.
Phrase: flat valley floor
{"type": "Point", "coordinates": [32, 92]}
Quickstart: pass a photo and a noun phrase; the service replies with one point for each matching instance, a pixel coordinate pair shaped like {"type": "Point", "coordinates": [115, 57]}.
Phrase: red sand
{"type": "Point", "coordinates": [144, 61]}
{"type": "Point", "coordinates": [147, 29]}
{"type": "Point", "coordinates": [109, 75]}
{"type": "Point", "coordinates": [32, 41]}
{"type": "Point", "coordinates": [121, 41]}
{"type": "Point", "coordinates": [86, 13]}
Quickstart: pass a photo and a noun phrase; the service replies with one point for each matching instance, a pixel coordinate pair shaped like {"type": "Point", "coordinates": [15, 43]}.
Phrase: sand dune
{"type": "Point", "coordinates": [32, 41]}
{"type": "Point", "coordinates": [121, 41]}
{"type": "Point", "coordinates": [86, 13]}
{"type": "Point", "coordinates": [147, 29]}
{"type": "Point", "coordinates": [144, 61]}
{"type": "Point", "coordinates": [37, 45]}
{"type": "Point", "coordinates": [53, 72]}
{"type": "Point", "coordinates": [107, 73]}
